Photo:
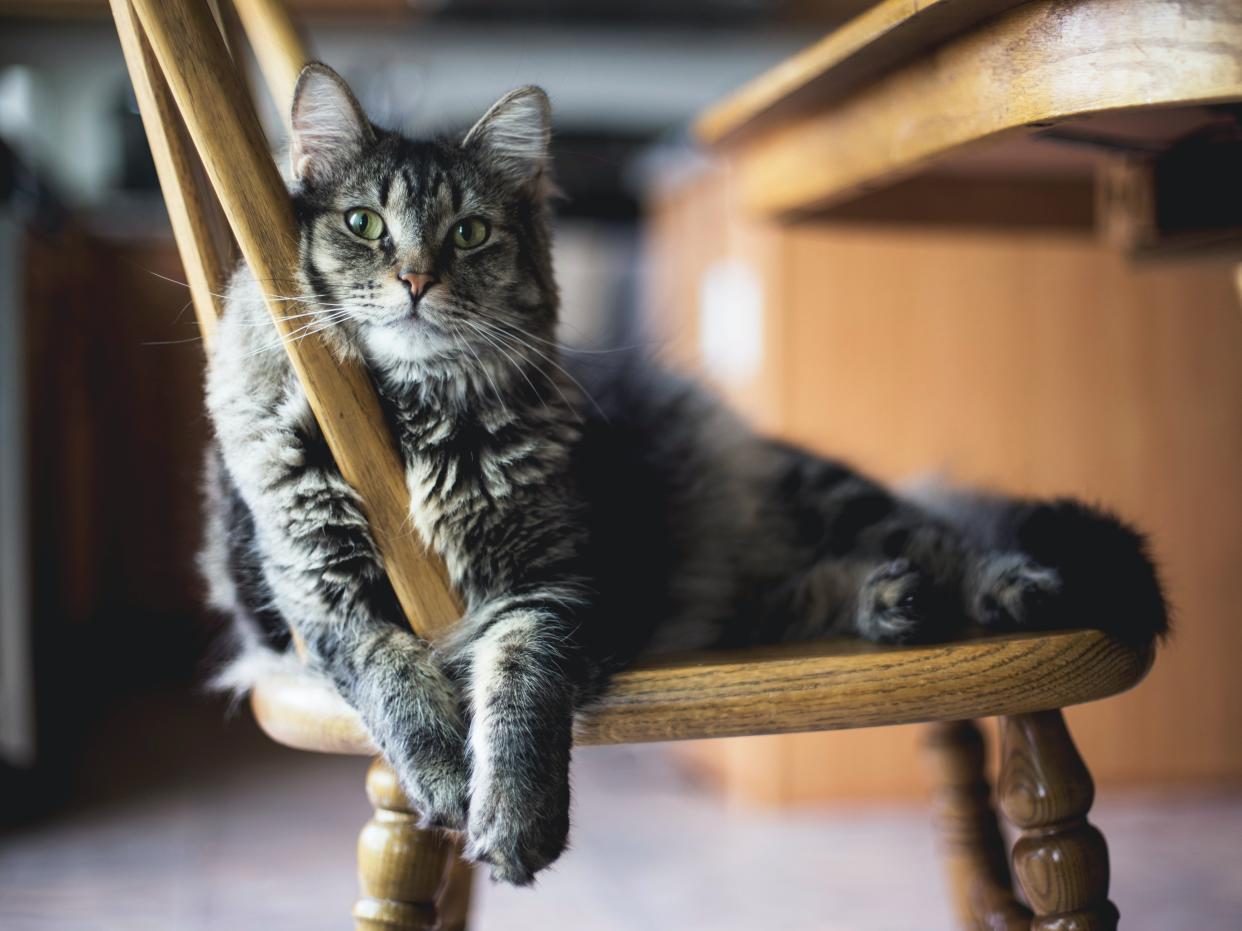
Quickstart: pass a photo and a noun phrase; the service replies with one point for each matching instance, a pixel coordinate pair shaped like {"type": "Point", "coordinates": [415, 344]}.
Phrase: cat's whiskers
{"type": "Point", "coordinates": [311, 298]}
{"type": "Point", "coordinates": [563, 346]}
{"type": "Point", "coordinates": [496, 345]}
{"type": "Point", "coordinates": [326, 321]}
{"type": "Point", "coordinates": [540, 369]}
{"type": "Point", "coordinates": [317, 312]}
{"type": "Point", "coordinates": [465, 343]}
{"type": "Point", "coordinates": [172, 342]}
{"type": "Point", "coordinates": [513, 337]}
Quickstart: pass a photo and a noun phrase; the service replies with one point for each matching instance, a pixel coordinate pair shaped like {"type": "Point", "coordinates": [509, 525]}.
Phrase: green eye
{"type": "Point", "coordinates": [471, 233]}
{"type": "Point", "coordinates": [364, 223]}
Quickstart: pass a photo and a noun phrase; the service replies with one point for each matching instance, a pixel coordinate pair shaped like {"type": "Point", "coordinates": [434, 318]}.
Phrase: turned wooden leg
{"type": "Point", "coordinates": [1060, 859]}
{"type": "Point", "coordinates": [970, 839]}
{"type": "Point", "coordinates": [403, 868]}
{"type": "Point", "coordinates": [455, 895]}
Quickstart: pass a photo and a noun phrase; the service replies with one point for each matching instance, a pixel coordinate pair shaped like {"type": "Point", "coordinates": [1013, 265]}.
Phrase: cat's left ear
{"type": "Point", "coordinates": [329, 127]}
{"type": "Point", "coordinates": [515, 135]}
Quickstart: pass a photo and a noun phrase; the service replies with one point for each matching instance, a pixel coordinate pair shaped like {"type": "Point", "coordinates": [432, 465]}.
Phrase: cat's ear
{"type": "Point", "coordinates": [328, 124]}
{"type": "Point", "coordinates": [515, 134]}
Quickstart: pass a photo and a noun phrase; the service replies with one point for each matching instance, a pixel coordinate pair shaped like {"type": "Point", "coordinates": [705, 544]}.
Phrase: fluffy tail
{"type": "Point", "coordinates": [1110, 582]}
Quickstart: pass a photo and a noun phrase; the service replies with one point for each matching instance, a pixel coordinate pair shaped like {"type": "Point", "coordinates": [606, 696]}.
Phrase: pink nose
{"type": "Point", "coordinates": [419, 282]}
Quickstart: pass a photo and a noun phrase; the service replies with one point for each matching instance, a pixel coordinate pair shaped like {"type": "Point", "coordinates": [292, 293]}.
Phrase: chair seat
{"type": "Point", "coordinates": [790, 688]}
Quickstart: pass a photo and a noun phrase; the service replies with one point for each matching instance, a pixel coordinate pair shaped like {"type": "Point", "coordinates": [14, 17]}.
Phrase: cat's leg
{"type": "Point", "coordinates": [325, 577]}
{"type": "Point", "coordinates": [881, 567]}
{"type": "Point", "coordinates": [884, 601]}
{"type": "Point", "coordinates": [522, 694]}
{"type": "Point", "coordinates": [897, 600]}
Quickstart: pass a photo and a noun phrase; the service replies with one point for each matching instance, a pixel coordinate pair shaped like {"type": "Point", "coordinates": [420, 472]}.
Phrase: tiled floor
{"type": "Point", "coordinates": [192, 826]}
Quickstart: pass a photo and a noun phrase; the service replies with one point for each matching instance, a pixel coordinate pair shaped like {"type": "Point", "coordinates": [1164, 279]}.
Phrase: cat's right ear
{"type": "Point", "coordinates": [329, 127]}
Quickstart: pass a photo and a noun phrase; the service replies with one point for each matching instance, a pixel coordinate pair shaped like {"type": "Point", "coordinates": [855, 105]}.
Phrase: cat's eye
{"type": "Point", "coordinates": [471, 233]}
{"type": "Point", "coordinates": [364, 223]}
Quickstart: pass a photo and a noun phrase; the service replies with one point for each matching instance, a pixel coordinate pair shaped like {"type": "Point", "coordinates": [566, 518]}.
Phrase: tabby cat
{"type": "Point", "coordinates": [588, 512]}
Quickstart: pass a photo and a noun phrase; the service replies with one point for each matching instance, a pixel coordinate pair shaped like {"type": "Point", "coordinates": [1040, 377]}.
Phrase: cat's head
{"type": "Point", "coordinates": [428, 250]}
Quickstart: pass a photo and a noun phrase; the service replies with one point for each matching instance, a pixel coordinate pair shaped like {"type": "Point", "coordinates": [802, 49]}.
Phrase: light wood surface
{"type": "Point", "coordinates": [1060, 859]}
{"type": "Point", "coordinates": [226, 133]}
{"type": "Point", "coordinates": [971, 847]}
{"type": "Point", "coordinates": [863, 48]}
{"type": "Point", "coordinates": [1044, 62]}
{"type": "Point", "coordinates": [785, 689]}
{"type": "Point", "coordinates": [401, 867]}
{"type": "Point", "coordinates": [208, 254]}
{"type": "Point", "coordinates": [386, 11]}
{"type": "Point", "coordinates": [277, 46]}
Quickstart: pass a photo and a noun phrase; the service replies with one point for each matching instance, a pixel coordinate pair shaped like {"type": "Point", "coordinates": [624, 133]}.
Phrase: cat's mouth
{"type": "Point", "coordinates": [410, 317]}
{"type": "Point", "coordinates": [413, 317]}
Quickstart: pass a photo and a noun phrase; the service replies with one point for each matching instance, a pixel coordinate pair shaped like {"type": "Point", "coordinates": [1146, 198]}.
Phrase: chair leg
{"type": "Point", "coordinates": [1060, 859]}
{"type": "Point", "coordinates": [455, 895]}
{"type": "Point", "coordinates": [970, 840]}
{"type": "Point", "coordinates": [403, 868]}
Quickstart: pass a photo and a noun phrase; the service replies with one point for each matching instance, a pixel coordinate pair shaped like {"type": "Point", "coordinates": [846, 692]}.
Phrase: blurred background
{"type": "Point", "coordinates": [1029, 357]}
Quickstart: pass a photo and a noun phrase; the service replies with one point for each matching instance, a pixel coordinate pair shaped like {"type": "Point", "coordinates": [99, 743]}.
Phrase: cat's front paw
{"type": "Point", "coordinates": [895, 603]}
{"type": "Point", "coordinates": [435, 778]}
{"type": "Point", "coordinates": [519, 830]}
{"type": "Point", "coordinates": [438, 792]}
{"type": "Point", "coordinates": [1014, 592]}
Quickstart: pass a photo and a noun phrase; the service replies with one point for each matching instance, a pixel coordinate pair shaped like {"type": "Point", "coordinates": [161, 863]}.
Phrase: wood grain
{"type": "Point", "coordinates": [1043, 62]}
{"type": "Point", "coordinates": [971, 847]}
{"type": "Point", "coordinates": [778, 690]}
{"type": "Point", "coordinates": [226, 133]}
{"type": "Point", "coordinates": [277, 46]}
{"type": "Point", "coordinates": [401, 867]}
{"type": "Point", "coordinates": [861, 49]}
{"type": "Point", "coordinates": [208, 254]}
{"type": "Point", "coordinates": [1060, 859]}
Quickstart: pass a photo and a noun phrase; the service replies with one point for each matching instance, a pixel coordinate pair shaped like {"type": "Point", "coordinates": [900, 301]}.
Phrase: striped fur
{"type": "Point", "coordinates": [588, 512]}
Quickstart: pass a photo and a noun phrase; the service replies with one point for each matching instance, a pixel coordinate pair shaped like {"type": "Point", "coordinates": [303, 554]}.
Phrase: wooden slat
{"type": "Point", "coordinates": [830, 685]}
{"type": "Point", "coordinates": [861, 49]}
{"type": "Point", "coordinates": [226, 133]}
{"type": "Point", "coordinates": [207, 251]}
{"type": "Point", "coordinates": [277, 46]}
{"type": "Point", "coordinates": [234, 40]}
{"type": "Point", "coordinates": [1046, 61]}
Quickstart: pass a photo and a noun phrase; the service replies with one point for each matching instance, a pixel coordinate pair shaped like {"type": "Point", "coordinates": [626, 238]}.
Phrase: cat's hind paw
{"type": "Point", "coordinates": [1013, 592]}
{"type": "Point", "coordinates": [894, 603]}
{"type": "Point", "coordinates": [516, 837]}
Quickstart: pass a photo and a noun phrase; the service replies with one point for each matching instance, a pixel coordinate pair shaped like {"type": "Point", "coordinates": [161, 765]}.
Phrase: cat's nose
{"type": "Point", "coordinates": [419, 282]}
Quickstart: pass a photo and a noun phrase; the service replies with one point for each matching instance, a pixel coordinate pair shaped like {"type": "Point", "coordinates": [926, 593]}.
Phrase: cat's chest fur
{"type": "Point", "coordinates": [472, 473]}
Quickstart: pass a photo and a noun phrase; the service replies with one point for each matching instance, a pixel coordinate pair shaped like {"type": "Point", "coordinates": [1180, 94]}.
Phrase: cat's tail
{"type": "Point", "coordinates": [1108, 579]}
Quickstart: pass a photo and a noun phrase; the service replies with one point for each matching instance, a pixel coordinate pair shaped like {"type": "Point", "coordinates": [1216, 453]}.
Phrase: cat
{"type": "Point", "coordinates": [588, 512]}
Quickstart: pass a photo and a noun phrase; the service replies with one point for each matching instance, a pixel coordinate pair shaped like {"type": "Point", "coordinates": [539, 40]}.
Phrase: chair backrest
{"type": "Point", "coordinates": [217, 174]}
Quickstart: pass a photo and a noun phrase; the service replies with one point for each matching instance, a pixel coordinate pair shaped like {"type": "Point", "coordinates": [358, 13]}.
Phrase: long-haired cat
{"type": "Point", "coordinates": [585, 518]}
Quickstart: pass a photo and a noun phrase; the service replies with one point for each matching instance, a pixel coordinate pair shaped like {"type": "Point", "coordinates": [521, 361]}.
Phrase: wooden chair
{"type": "Point", "coordinates": [217, 175]}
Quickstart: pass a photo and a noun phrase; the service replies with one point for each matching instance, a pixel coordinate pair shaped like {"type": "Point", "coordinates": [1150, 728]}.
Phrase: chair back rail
{"type": "Point", "coordinates": [277, 46]}
{"type": "Point", "coordinates": [189, 63]}
{"type": "Point", "coordinates": [200, 230]}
